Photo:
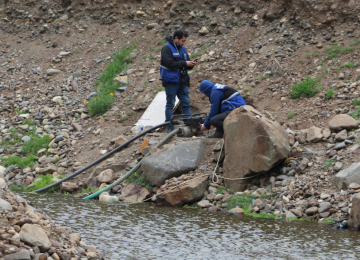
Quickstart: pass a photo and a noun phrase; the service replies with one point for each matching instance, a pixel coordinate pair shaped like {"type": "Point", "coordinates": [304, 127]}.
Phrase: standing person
{"type": "Point", "coordinates": [173, 70]}
{"type": "Point", "coordinates": [223, 100]}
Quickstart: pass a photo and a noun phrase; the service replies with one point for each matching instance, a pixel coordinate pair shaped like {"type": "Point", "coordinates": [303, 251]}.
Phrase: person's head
{"type": "Point", "coordinates": [206, 87]}
{"type": "Point", "coordinates": [180, 37]}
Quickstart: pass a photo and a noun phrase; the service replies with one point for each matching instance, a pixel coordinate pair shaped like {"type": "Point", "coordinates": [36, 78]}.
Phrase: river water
{"type": "Point", "coordinates": [147, 231]}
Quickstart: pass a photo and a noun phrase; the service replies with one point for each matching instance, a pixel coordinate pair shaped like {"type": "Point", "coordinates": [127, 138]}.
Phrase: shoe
{"type": "Point", "coordinates": [216, 135]}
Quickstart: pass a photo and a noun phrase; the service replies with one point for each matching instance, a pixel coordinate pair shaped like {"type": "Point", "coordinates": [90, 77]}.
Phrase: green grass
{"type": "Point", "coordinates": [306, 88]}
{"type": "Point", "coordinates": [356, 102]}
{"type": "Point", "coordinates": [356, 42]}
{"type": "Point", "coordinates": [329, 94]}
{"type": "Point", "coordinates": [349, 65]}
{"type": "Point", "coordinates": [356, 113]}
{"type": "Point", "coordinates": [102, 101]}
{"type": "Point", "coordinates": [327, 164]}
{"type": "Point", "coordinates": [332, 50]}
{"type": "Point", "coordinates": [22, 112]}
{"type": "Point", "coordinates": [29, 149]}
{"type": "Point", "coordinates": [89, 189]}
{"type": "Point", "coordinates": [140, 179]}
{"type": "Point", "coordinates": [291, 115]}
{"type": "Point", "coordinates": [151, 48]}
{"type": "Point", "coordinates": [19, 161]}
{"type": "Point", "coordinates": [346, 50]}
{"type": "Point", "coordinates": [246, 90]}
{"type": "Point", "coordinates": [42, 182]}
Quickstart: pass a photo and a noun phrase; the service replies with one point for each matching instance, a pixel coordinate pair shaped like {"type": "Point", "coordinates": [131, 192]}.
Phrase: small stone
{"type": "Point", "coordinates": [204, 30]}
{"type": "Point", "coordinates": [26, 139]}
{"type": "Point", "coordinates": [324, 206]}
{"type": "Point", "coordinates": [204, 204]}
{"type": "Point", "coordinates": [338, 166]}
{"type": "Point", "coordinates": [236, 212]}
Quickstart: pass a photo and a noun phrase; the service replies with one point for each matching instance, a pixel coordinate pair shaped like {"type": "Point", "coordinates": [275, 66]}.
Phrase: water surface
{"type": "Point", "coordinates": [146, 231]}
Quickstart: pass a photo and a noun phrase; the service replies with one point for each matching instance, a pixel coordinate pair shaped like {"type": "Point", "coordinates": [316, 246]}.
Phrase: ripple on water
{"type": "Point", "coordinates": [145, 231]}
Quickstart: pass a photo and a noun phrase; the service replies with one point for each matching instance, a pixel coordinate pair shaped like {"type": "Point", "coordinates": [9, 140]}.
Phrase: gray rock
{"type": "Point", "coordinates": [340, 146]}
{"type": "Point", "coordinates": [338, 166]}
{"type": "Point", "coordinates": [51, 72]}
{"type": "Point", "coordinates": [22, 255]}
{"type": "Point", "coordinates": [106, 176]}
{"type": "Point", "coordinates": [341, 136]}
{"type": "Point", "coordinates": [347, 176]}
{"type": "Point", "coordinates": [311, 211]}
{"type": "Point", "coordinates": [268, 208]}
{"type": "Point", "coordinates": [26, 139]}
{"type": "Point", "coordinates": [33, 235]}
{"type": "Point", "coordinates": [219, 196]}
{"type": "Point", "coordinates": [324, 206]}
{"type": "Point", "coordinates": [59, 138]}
{"type": "Point", "coordinates": [324, 196]}
{"type": "Point", "coordinates": [173, 161]}
{"type": "Point", "coordinates": [289, 215]}
{"type": "Point", "coordinates": [302, 165]}
{"type": "Point", "coordinates": [212, 190]}
{"type": "Point", "coordinates": [4, 205]}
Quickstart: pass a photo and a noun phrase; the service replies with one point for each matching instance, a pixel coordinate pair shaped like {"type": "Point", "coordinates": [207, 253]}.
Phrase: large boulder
{"type": "Point", "coordinates": [33, 235]}
{"type": "Point", "coordinates": [173, 161]}
{"type": "Point", "coordinates": [349, 175]}
{"type": "Point", "coordinates": [354, 220]}
{"type": "Point", "coordinates": [341, 122]}
{"type": "Point", "coordinates": [253, 144]}
{"type": "Point", "coordinates": [186, 193]}
{"type": "Point", "coordinates": [134, 192]}
{"type": "Point", "coordinates": [106, 176]}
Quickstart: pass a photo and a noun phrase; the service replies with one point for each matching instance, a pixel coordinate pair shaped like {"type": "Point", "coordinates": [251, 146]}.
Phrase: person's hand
{"type": "Point", "coordinates": [190, 63]}
{"type": "Point", "coordinates": [203, 128]}
{"type": "Point", "coordinates": [212, 127]}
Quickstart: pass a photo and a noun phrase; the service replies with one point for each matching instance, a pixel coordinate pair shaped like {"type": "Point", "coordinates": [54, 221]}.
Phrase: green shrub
{"type": "Point", "coordinates": [23, 162]}
{"type": "Point", "coordinates": [35, 144]}
{"type": "Point", "coordinates": [356, 42]}
{"type": "Point", "coordinates": [140, 179]}
{"type": "Point", "coordinates": [306, 88]}
{"type": "Point", "coordinates": [291, 115]}
{"type": "Point", "coordinates": [42, 182]}
{"type": "Point", "coordinates": [349, 65]}
{"type": "Point", "coordinates": [329, 94]}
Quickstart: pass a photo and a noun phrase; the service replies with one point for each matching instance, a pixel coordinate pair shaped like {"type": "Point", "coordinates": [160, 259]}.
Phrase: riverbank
{"type": "Point", "coordinates": [30, 233]}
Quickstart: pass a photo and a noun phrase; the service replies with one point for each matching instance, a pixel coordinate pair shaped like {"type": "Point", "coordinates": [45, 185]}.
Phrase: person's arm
{"type": "Point", "coordinates": [216, 97]}
{"type": "Point", "coordinates": [168, 60]}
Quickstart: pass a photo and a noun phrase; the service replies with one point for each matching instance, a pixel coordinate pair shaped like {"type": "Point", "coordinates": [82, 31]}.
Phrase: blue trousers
{"type": "Point", "coordinates": [182, 92]}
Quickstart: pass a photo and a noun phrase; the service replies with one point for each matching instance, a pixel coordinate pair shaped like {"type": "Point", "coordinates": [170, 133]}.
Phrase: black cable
{"type": "Point", "coordinates": [102, 158]}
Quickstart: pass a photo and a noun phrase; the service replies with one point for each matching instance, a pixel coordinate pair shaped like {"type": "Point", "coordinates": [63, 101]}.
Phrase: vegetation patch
{"type": "Point", "coordinates": [327, 164]}
{"type": "Point", "coordinates": [291, 115]}
{"type": "Point", "coordinates": [329, 94]}
{"type": "Point", "coordinates": [42, 182]}
{"type": "Point", "coordinates": [140, 179]}
{"type": "Point", "coordinates": [306, 88]}
{"type": "Point", "coordinates": [104, 99]}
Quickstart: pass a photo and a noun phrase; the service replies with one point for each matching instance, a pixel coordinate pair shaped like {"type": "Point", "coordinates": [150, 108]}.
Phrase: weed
{"type": "Point", "coordinates": [356, 42]}
{"type": "Point", "coordinates": [329, 94]}
{"type": "Point", "coordinates": [133, 113]}
{"type": "Point", "coordinates": [349, 65]}
{"type": "Point", "coordinates": [266, 76]}
{"type": "Point", "coordinates": [124, 118]}
{"type": "Point", "coordinates": [320, 63]}
{"type": "Point", "coordinates": [337, 70]}
{"type": "Point", "coordinates": [332, 50]}
{"type": "Point", "coordinates": [78, 116]}
{"type": "Point", "coordinates": [306, 88]}
{"type": "Point", "coordinates": [246, 90]}
{"type": "Point", "coordinates": [191, 207]}
{"type": "Point", "coordinates": [346, 50]}
{"type": "Point", "coordinates": [257, 78]}
{"type": "Point", "coordinates": [89, 189]}
{"type": "Point", "coordinates": [140, 180]}
{"type": "Point", "coordinates": [291, 115]}
{"type": "Point", "coordinates": [35, 144]}
{"type": "Point", "coordinates": [327, 164]}
{"type": "Point", "coordinates": [316, 54]}
{"type": "Point", "coordinates": [151, 48]}
{"type": "Point", "coordinates": [160, 89]}
{"type": "Point", "coordinates": [103, 101]}
{"type": "Point", "coordinates": [135, 95]}
{"type": "Point", "coordinates": [42, 182]}
{"type": "Point", "coordinates": [158, 49]}
{"type": "Point", "coordinates": [22, 112]}
{"type": "Point", "coordinates": [356, 102]}
{"type": "Point", "coordinates": [15, 187]}
{"type": "Point", "coordinates": [308, 55]}
{"type": "Point", "coordinates": [162, 42]}
{"type": "Point", "coordinates": [150, 56]}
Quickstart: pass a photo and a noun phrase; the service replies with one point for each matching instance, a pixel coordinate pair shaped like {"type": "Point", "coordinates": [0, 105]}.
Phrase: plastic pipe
{"type": "Point", "coordinates": [129, 173]}
{"type": "Point", "coordinates": [102, 158]}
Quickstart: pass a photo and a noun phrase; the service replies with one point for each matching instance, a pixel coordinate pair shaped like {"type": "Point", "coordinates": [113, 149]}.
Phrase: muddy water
{"type": "Point", "coordinates": [146, 231]}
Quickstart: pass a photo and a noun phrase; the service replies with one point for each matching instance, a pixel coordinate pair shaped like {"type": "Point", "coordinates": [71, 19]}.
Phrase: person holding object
{"type": "Point", "coordinates": [173, 71]}
{"type": "Point", "coordinates": [223, 100]}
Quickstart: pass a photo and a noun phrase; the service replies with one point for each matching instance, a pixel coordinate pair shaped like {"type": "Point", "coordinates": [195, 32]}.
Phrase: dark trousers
{"type": "Point", "coordinates": [218, 121]}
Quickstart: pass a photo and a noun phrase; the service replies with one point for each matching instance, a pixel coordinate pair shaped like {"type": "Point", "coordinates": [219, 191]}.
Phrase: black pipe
{"type": "Point", "coordinates": [102, 158]}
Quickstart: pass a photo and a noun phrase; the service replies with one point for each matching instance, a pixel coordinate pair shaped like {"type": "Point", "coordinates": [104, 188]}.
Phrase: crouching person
{"type": "Point", "coordinates": [223, 100]}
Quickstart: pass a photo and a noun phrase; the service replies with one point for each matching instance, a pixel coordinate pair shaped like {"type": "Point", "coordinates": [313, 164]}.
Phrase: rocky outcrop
{"type": "Point", "coordinates": [185, 193]}
{"type": "Point", "coordinates": [253, 144]}
{"type": "Point", "coordinates": [173, 161]}
{"type": "Point", "coordinates": [347, 176]}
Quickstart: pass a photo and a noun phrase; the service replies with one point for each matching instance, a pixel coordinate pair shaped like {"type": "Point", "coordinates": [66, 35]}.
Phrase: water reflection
{"type": "Point", "coordinates": [146, 231]}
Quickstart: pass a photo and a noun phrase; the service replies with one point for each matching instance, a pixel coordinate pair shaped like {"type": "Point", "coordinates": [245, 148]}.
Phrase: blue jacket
{"type": "Point", "coordinates": [222, 98]}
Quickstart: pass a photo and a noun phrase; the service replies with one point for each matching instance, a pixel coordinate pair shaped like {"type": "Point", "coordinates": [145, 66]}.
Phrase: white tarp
{"type": "Point", "coordinates": [155, 113]}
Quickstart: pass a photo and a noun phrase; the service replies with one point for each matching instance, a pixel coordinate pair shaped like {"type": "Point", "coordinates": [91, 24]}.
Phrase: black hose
{"type": "Point", "coordinates": [102, 158]}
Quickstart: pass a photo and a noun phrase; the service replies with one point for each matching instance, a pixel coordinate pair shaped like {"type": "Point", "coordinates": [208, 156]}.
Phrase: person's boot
{"type": "Point", "coordinates": [216, 135]}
